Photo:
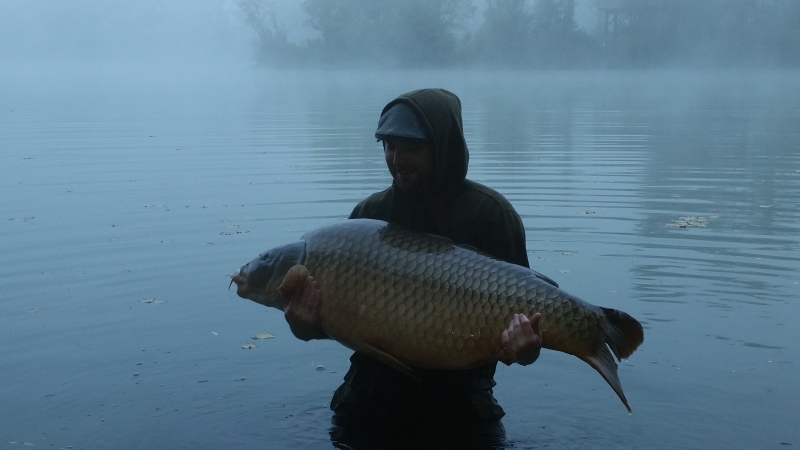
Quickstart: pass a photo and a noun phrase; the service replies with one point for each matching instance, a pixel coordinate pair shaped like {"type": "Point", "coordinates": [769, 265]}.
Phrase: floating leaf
{"type": "Point", "coordinates": [264, 335]}
{"type": "Point", "coordinates": [691, 221]}
{"type": "Point", "coordinates": [249, 345]}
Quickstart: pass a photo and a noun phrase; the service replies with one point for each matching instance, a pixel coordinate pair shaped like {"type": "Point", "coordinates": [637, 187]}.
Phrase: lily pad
{"type": "Point", "coordinates": [249, 345]}
{"type": "Point", "coordinates": [264, 335]}
{"type": "Point", "coordinates": [152, 300]}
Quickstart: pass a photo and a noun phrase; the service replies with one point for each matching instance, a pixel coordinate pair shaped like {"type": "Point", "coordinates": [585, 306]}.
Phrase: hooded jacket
{"type": "Point", "coordinates": [464, 211]}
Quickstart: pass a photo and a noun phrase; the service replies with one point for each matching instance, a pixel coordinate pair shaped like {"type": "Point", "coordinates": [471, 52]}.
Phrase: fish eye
{"type": "Point", "coordinates": [265, 256]}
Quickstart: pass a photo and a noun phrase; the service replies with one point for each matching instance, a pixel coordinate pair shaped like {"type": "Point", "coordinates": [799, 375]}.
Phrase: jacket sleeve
{"type": "Point", "coordinates": [357, 212]}
{"type": "Point", "coordinates": [376, 206]}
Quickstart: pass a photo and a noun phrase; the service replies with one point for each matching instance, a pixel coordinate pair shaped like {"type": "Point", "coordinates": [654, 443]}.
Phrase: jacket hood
{"type": "Point", "coordinates": [439, 112]}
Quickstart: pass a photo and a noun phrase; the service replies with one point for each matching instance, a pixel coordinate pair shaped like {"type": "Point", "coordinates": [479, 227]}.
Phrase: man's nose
{"type": "Point", "coordinates": [400, 156]}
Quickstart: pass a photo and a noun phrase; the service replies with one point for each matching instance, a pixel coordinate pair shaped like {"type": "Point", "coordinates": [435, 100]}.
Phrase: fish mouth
{"type": "Point", "coordinates": [240, 278]}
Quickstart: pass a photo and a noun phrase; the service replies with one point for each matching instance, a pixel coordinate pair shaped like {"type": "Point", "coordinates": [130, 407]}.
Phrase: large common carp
{"type": "Point", "coordinates": [416, 300]}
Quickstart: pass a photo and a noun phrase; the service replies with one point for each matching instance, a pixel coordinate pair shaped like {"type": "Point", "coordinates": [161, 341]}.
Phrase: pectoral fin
{"type": "Point", "coordinates": [387, 359]}
{"type": "Point", "coordinates": [294, 279]}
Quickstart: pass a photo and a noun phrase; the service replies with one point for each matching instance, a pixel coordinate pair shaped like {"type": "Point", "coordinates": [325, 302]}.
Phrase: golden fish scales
{"type": "Point", "coordinates": [413, 300]}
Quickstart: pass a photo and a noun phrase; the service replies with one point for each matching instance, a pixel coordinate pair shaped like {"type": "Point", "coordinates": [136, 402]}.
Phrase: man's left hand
{"type": "Point", "coordinates": [524, 338]}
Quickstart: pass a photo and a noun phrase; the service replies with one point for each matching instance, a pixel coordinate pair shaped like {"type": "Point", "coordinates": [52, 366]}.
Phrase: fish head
{"type": "Point", "coordinates": [260, 279]}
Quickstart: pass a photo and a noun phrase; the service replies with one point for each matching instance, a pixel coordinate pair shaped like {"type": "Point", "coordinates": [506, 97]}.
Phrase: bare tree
{"type": "Point", "coordinates": [271, 44]}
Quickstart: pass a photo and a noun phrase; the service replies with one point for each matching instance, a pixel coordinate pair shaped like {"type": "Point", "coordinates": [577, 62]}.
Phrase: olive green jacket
{"type": "Point", "coordinates": [464, 211]}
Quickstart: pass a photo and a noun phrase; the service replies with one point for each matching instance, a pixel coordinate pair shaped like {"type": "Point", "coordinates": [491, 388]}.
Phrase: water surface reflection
{"type": "Point", "coordinates": [146, 187]}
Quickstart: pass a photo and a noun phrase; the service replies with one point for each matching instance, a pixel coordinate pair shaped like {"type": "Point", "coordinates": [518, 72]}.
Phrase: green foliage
{"type": "Point", "coordinates": [530, 33]}
{"type": "Point", "coordinates": [387, 32]}
{"type": "Point", "coordinates": [507, 32]}
{"type": "Point", "coordinates": [534, 33]}
{"type": "Point", "coordinates": [709, 33]}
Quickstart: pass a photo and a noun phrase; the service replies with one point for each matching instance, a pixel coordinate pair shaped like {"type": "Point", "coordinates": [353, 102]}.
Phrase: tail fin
{"type": "Point", "coordinates": [623, 333]}
{"type": "Point", "coordinates": [603, 362]}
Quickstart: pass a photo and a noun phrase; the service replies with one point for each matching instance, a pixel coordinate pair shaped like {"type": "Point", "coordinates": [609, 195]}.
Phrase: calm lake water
{"type": "Point", "coordinates": [129, 195]}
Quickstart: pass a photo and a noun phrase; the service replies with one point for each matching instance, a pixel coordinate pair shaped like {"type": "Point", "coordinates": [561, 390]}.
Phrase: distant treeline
{"type": "Point", "coordinates": [533, 34]}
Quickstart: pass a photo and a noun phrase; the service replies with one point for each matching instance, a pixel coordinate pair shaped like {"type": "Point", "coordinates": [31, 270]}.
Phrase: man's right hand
{"type": "Point", "coordinates": [301, 309]}
{"type": "Point", "coordinates": [524, 338]}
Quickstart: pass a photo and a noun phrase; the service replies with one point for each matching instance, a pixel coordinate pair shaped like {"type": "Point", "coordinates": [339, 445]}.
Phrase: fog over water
{"type": "Point", "coordinates": [412, 33]}
{"type": "Point", "coordinates": [148, 149]}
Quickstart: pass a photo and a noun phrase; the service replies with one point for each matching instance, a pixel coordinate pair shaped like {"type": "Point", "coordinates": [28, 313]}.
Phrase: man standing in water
{"type": "Point", "coordinates": [425, 150]}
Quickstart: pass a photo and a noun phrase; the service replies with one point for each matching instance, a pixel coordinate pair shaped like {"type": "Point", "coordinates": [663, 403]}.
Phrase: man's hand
{"type": "Point", "coordinates": [524, 338]}
{"type": "Point", "coordinates": [301, 309]}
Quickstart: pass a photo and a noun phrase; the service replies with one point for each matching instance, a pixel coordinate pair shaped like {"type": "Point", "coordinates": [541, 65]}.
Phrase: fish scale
{"type": "Point", "coordinates": [414, 300]}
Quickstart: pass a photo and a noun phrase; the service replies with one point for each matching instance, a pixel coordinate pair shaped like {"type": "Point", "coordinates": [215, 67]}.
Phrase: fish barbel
{"type": "Point", "coordinates": [413, 300]}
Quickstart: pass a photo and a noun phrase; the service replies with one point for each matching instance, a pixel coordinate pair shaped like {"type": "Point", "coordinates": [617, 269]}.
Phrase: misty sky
{"type": "Point", "coordinates": [140, 30]}
{"type": "Point", "coordinates": [150, 30]}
